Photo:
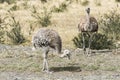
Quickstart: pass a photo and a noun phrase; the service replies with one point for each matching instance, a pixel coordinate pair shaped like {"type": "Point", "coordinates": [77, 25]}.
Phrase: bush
{"type": "Point", "coordinates": [97, 2]}
{"type": "Point", "coordinates": [117, 0]}
{"type": "Point", "coordinates": [84, 2]}
{"type": "Point", "coordinates": [22, 5]}
{"type": "Point", "coordinates": [2, 30]}
{"type": "Point", "coordinates": [14, 7]}
{"type": "Point", "coordinates": [110, 23]}
{"type": "Point", "coordinates": [43, 1]}
{"type": "Point", "coordinates": [62, 7]}
{"type": "Point", "coordinates": [42, 18]}
{"type": "Point", "coordinates": [99, 41]}
{"type": "Point", "coordinates": [2, 33]}
{"type": "Point", "coordinates": [8, 1]}
{"type": "Point", "coordinates": [15, 34]}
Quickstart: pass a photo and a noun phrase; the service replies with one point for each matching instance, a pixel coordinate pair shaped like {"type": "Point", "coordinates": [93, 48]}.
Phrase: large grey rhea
{"type": "Point", "coordinates": [88, 25]}
{"type": "Point", "coordinates": [46, 39]}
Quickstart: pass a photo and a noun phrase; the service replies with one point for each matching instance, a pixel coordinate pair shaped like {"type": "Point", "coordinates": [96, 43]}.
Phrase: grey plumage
{"type": "Point", "coordinates": [46, 39]}
{"type": "Point", "coordinates": [88, 25]}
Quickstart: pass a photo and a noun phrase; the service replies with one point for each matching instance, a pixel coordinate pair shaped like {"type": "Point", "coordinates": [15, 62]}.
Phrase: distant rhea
{"type": "Point", "coordinates": [88, 25]}
{"type": "Point", "coordinates": [46, 39]}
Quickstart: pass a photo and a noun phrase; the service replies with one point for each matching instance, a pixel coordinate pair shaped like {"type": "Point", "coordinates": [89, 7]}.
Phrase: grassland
{"type": "Point", "coordinates": [64, 22]}
{"type": "Point", "coordinates": [18, 62]}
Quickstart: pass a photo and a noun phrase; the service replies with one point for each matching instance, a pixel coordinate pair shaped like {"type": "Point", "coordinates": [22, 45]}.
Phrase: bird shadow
{"type": "Point", "coordinates": [67, 68]}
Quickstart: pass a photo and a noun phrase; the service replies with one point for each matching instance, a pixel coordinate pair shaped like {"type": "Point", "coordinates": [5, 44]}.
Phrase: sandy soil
{"type": "Point", "coordinates": [64, 75]}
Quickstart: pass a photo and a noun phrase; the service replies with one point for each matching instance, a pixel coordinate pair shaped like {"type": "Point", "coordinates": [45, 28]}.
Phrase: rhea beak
{"type": "Point", "coordinates": [33, 48]}
{"type": "Point", "coordinates": [66, 53]}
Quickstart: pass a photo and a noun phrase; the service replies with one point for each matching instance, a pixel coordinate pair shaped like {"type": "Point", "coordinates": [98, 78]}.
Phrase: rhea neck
{"type": "Point", "coordinates": [88, 17]}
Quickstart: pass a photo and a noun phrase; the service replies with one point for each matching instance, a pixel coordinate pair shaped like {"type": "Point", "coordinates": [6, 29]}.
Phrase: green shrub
{"type": "Point", "coordinates": [110, 23]}
{"type": "Point", "coordinates": [2, 30]}
{"type": "Point", "coordinates": [84, 2]}
{"type": "Point", "coordinates": [43, 1]}
{"type": "Point", "coordinates": [92, 67]}
{"type": "Point", "coordinates": [97, 2]}
{"type": "Point", "coordinates": [42, 18]}
{"type": "Point", "coordinates": [23, 5]}
{"type": "Point", "coordinates": [8, 1]}
{"type": "Point", "coordinates": [15, 34]}
{"type": "Point", "coordinates": [117, 0]}
{"type": "Point", "coordinates": [77, 1]}
{"type": "Point", "coordinates": [14, 7]}
{"type": "Point", "coordinates": [99, 41]}
{"type": "Point", "coordinates": [62, 7]}
{"type": "Point", "coordinates": [2, 33]}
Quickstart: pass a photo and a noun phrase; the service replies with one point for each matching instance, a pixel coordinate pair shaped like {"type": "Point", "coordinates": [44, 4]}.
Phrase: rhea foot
{"type": "Point", "coordinates": [47, 71]}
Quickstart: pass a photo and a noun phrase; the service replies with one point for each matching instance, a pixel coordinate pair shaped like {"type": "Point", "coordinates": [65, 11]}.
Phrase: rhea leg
{"type": "Point", "coordinates": [83, 38]}
{"type": "Point", "coordinates": [45, 62]}
{"type": "Point", "coordinates": [90, 41]}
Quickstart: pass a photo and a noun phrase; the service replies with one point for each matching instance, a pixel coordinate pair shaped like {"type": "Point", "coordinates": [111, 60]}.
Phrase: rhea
{"type": "Point", "coordinates": [88, 25]}
{"type": "Point", "coordinates": [47, 39]}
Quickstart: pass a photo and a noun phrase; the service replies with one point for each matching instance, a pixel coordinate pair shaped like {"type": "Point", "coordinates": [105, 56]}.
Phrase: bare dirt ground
{"type": "Point", "coordinates": [17, 63]}
{"type": "Point", "coordinates": [63, 75]}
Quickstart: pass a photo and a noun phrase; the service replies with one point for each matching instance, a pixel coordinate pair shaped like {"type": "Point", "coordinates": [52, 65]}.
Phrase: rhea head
{"type": "Point", "coordinates": [88, 10]}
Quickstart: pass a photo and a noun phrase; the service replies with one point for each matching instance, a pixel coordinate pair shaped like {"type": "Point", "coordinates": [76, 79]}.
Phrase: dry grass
{"type": "Point", "coordinates": [65, 22]}
{"type": "Point", "coordinates": [20, 61]}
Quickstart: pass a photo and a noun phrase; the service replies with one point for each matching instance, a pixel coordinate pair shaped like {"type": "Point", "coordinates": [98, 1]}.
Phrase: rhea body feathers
{"type": "Point", "coordinates": [85, 26]}
{"type": "Point", "coordinates": [47, 38]}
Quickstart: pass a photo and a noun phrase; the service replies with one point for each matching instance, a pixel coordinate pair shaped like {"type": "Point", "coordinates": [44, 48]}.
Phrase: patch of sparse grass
{"type": "Point", "coordinates": [8, 1]}
{"type": "Point", "coordinates": [83, 66]}
{"type": "Point", "coordinates": [84, 2]}
{"type": "Point", "coordinates": [42, 18]}
{"type": "Point", "coordinates": [117, 0]}
{"type": "Point", "coordinates": [2, 37]}
{"type": "Point", "coordinates": [109, 68]}
{"type": "Point", "coordinates": [97, 2]}
{"type": "Point", "coordinates": [110, 23]}
{"type": "Point", "coordinates": [2, 30]}
{"type": "Point", "coordinates": [20, 61]}
{"type": "Point", "coordinates": [6, 55]}
{"type": "Point", "coordinates": [62, 7]}
{"type": "Point", "coordinates": [21, 64]}
{"type": "Point", "coordinates": [15, 34]}
{"type": "Point", "coordinates": [14, 7]}
{"type": "Point", "coordinates": [91, 67]}
{"type": "Point", "coordinates": [43, 1]}
{"type": "Point", "coordinates": [94, 67]}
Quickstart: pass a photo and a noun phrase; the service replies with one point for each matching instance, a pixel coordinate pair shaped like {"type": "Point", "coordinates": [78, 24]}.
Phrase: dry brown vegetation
{"type": "Point", "coordinates": [64, 22]}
